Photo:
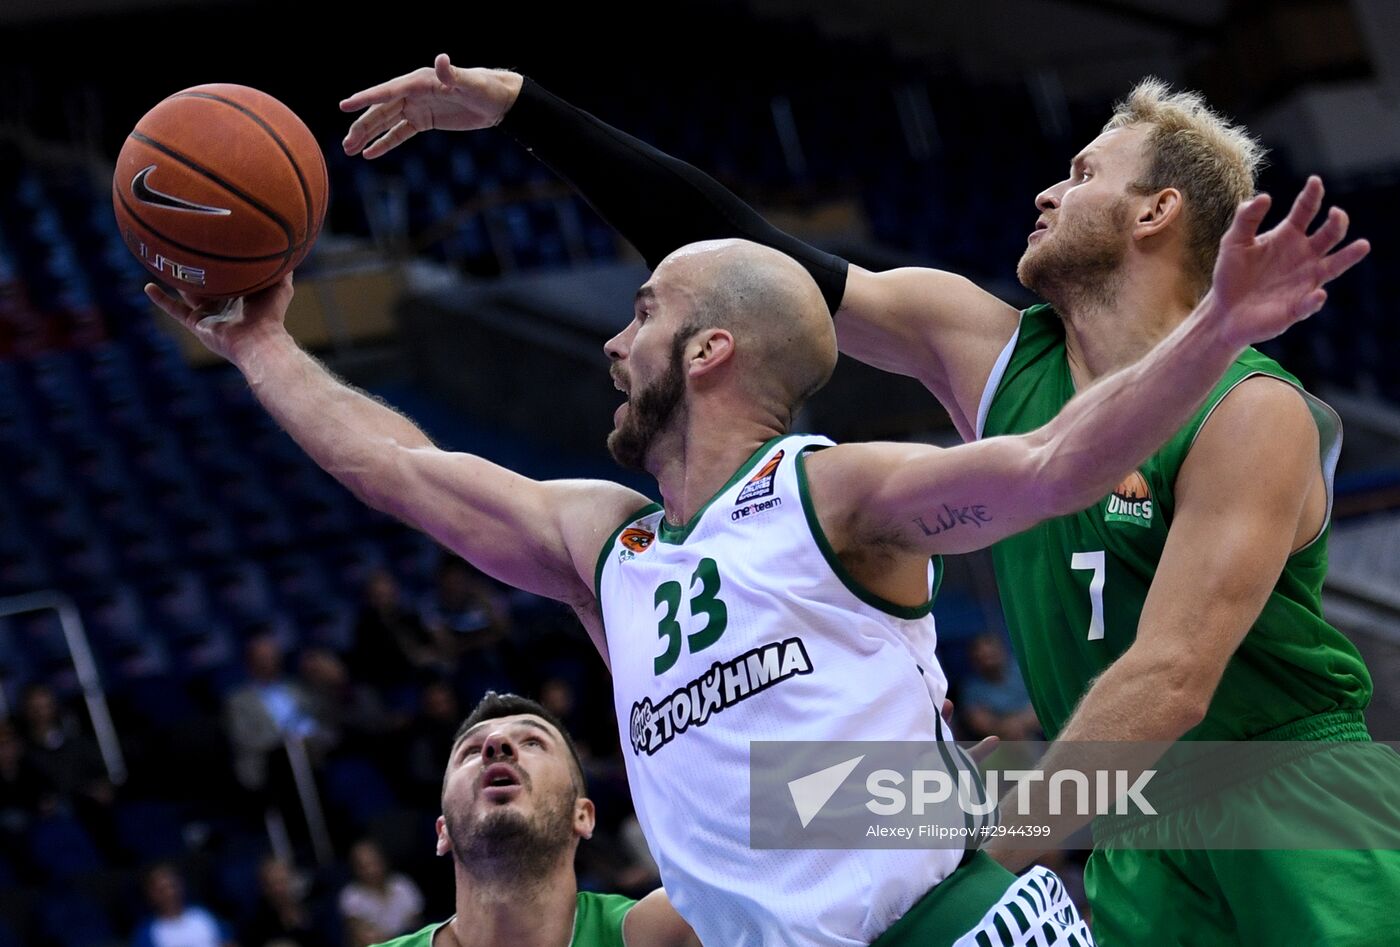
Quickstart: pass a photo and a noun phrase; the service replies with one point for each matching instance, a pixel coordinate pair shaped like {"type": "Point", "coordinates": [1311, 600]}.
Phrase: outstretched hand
{"type": "Point", "coordinates": [983, 748]}
{"type": "Point", "coordinates": [228, 327]}
{"type": "Point", "coordinates": [1267, 282]}
{"type": "Point", "coordinates": [442, 96]}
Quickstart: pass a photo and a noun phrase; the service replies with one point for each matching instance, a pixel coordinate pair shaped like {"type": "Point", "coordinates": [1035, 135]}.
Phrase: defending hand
{"type": "Point", "coordinates": [443, 97]}
{"type": "Point", "coordinates": [1266, 282]}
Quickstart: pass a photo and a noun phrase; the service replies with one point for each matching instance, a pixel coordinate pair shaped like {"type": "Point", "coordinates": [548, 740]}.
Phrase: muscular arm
{"type": "Point", "coordinates": [927, 500]}
{"type": "Point", "coordinates": [543, 537]}
{"type": "Point", "coordinates": [935, 326]}
{"type": "Point", "coordinates": [926, 324]}
{"type": "Point", "coordinates": [1249, 493]}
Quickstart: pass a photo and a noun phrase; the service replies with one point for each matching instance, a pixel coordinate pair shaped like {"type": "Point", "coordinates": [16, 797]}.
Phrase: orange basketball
{"type": "Point", "coordinates": [220, 190]}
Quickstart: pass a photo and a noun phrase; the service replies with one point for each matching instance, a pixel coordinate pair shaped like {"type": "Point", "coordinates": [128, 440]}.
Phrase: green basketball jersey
{"type": "Point", "coordinates": [1073, 588]}
{"type": "Point", "coordinates": [597, 923]}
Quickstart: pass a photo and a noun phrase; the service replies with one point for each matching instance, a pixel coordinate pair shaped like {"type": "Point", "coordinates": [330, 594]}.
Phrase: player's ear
{"type": "Point", "coordinates": [444, 843]}
{"type": "Point", "coordinates": [708, 350]}
{"type": "Point", "coordinates": [1158, 211]}
{"type": "Point", "coordinates": [585, 817]}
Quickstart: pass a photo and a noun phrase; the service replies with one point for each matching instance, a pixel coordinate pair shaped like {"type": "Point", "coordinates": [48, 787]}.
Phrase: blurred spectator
{"type": "Point", "coordinates": [619, 860]}
{"type": "Point", "coordinates": [557, 696]}
{"type": "Point", "coordinates": [645, 875]}
{"type": "Point", "coordinates": [70, 762]}
{"type": "Point", "coordinates": [594, 734]}
{"type": "Point", "coordinates": [993, 698]}
{"type": "Point", "coordinates": [24, 790]}
{"type": "Point", "coordinates": [377, 905]}
{"type": "Point", "coordinates": [391, 644]}
{"type": "Point", "coordinates": [261, 713]}
{"type": "Point", "coordinates": [282, 918]}
{"type": "Point", "coordinates": [431, 734]}
{"type": "Point", "coordinates": [465, 607]}
{"type": "Point", "coordinates": [173, 922]}
{"type": "Point", "coordinates": [61, 752]}
{"type": "Point", "coordinates": [470, 615]}
{"type": "Point", "coordinates": [350, 715]}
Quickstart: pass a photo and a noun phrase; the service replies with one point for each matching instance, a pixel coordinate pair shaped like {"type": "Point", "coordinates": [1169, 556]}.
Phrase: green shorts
{"type": "Point", "coordinates": [1144, 887]}
{"type": "Point", "coordinates": [981, 904]}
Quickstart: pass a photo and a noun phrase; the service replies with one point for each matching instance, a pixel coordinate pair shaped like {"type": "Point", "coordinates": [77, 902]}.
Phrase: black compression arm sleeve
{"type": "Point", "coordinates": [657, 202]}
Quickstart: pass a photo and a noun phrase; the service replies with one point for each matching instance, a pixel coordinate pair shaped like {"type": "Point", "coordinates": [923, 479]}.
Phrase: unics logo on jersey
{"type": "Point", "coordinates": [1130, 502]}
{"type": "Point", "coordinates": [635, 541]}
{"type": "Point", "coordinates": [722, 686]}
{"type": "Point", "coordinates": [761, 484]}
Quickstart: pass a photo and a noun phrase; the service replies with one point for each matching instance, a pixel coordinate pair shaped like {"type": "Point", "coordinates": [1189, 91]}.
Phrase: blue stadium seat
{"type": "Point", "coordinates": [356, 790]}
{"type": "Point", "coordinates": [351, 565]}
{"type": "Point", "coordinates": [61, 849]}
{"type": "Point", "coordinates": [328, 626]}
{"type": "Point", "coordinates": [300, 582]}
{"type": "Point", "coordinates": [159, 700]}
{"type": "Point", "coordinates": [149, 831]}
{"type": "Point", "coordinates": [70, 918]}
{"type": "Point", "coordinates": [8, 936]}
{"type": "Point", "coordinates": [243, 592]}
{"type": "Point", "coordinates": [236, 875]}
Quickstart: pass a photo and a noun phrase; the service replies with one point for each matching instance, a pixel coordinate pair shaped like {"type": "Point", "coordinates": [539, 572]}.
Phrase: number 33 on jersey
{"type": "Point", "coordinates": [742, 625]}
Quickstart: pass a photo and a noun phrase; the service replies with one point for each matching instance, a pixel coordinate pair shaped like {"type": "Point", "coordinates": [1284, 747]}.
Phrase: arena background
{"type": "Point", "coordinates": [149, 508]}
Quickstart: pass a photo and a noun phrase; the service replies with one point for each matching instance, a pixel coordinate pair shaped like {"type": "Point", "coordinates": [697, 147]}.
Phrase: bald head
{"type": "Point", "coordinates": [783, 333]}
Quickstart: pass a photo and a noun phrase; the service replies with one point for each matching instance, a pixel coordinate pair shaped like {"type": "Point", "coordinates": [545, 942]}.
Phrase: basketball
{"type": "Point", "coordinates": [220, 190]}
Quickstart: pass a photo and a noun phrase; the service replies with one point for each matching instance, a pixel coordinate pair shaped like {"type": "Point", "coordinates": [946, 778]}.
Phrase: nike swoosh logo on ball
{"type": "Point", "coordinates": [146, 194]}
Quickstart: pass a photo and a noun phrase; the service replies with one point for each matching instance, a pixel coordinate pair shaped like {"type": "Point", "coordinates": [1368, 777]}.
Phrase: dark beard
{"type": "Point", "coordinates": [1080, 265]}
{"type": "Point", "coordinates": [649, 412]}
{"type": "Point", "coordinates": [507, 846]}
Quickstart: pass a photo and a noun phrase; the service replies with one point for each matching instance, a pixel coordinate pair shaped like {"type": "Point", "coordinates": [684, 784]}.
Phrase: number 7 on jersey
{"type": "Point", "coordinates": [1095, 561]}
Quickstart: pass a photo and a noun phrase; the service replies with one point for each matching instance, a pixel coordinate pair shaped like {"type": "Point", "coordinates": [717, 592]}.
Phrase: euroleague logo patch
{"type": "Point", "coordinates": [634, 540]}
{"type": "Point", "coordinates": [762, 483]}
{"type": "Point", "coordinates": [1130, 502]}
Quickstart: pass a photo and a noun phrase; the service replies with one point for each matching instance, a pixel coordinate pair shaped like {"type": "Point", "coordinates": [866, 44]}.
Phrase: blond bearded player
{"type": "Point", "coordinates": [828, 580]}
{"type": "Point", "coordinates": [1186, 602]}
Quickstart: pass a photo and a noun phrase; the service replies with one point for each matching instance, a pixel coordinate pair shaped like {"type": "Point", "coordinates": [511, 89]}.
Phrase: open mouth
{"type": "Point", "coordinates": [499, 775]}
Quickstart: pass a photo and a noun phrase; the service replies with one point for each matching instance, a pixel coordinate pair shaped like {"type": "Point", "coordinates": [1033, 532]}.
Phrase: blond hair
{"type": "Point", "coordinates": [1190, 147]}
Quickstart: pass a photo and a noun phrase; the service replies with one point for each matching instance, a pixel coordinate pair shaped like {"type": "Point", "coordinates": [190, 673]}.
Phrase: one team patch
{"type": "Point", "coordinates": [1130, 502]}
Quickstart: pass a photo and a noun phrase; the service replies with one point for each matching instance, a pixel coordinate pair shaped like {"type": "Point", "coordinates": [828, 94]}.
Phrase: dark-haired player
{"type": "Point", "coordinates": [514, 809]}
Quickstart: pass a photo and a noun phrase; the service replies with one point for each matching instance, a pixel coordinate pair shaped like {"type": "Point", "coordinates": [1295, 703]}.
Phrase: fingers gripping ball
{"type": "Point", "coordinates": [220, 190]}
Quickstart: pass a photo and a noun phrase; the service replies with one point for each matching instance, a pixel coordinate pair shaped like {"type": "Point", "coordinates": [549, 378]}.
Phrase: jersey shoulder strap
{"type": "Point", "coordinates": [598, 919]}
{"type": "Point", "coordinates": [1038, 334]}
{"type": "Point", "coordinates": [1251, 363]}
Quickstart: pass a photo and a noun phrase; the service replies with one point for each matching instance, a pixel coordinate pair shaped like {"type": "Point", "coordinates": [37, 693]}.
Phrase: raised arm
{"type": "Point", "coordinates": [927, 324]}
{"type": "Point", "coordinates": [928, 500]}
{"type": "Point", "coordinates": [543, 537]}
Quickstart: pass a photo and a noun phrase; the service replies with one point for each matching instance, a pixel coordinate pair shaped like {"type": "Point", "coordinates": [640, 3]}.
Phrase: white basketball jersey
{"type": "Point", "coordinates": [743, 626]}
